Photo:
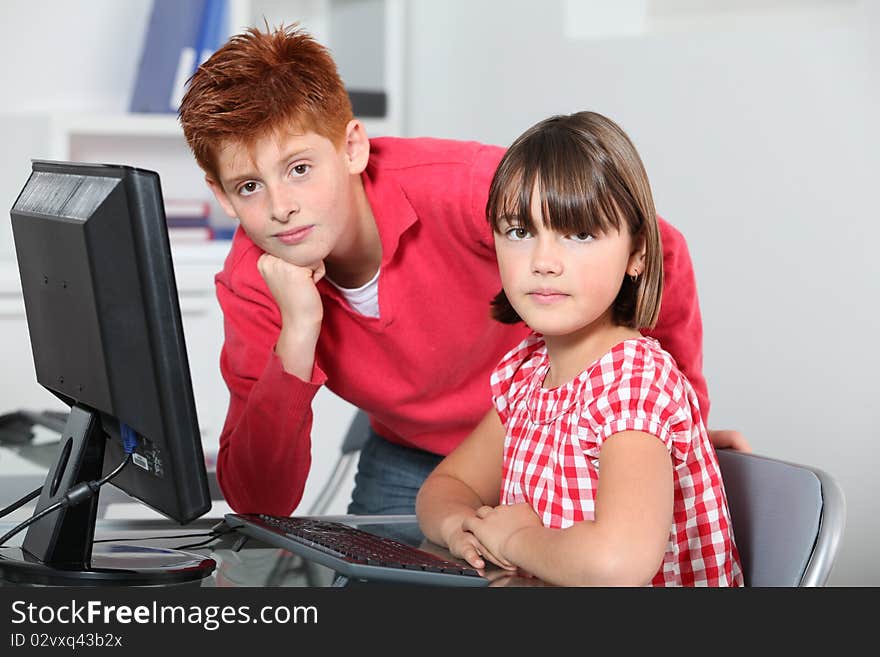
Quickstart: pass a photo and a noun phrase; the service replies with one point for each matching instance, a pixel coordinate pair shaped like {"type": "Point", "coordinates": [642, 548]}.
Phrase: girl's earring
{"type": "Point", "coordinates": [634, 277]}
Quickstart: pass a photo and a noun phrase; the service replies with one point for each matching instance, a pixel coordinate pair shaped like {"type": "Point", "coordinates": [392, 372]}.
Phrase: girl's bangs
{"type": "Point", "coordinates": [575, 201]}
{"type": "Point", "coordinates": [574, 194]}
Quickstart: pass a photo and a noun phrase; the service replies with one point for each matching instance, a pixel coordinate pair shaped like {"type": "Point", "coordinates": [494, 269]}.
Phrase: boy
{"type": "Point", "coordinates": [364, 265]}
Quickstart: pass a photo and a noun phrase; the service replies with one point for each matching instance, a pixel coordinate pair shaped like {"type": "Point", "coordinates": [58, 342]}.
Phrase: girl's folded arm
{"type": "Point", "coordinates": [470, 477]}
{"type": "Point", "coordinates": [625, 543]}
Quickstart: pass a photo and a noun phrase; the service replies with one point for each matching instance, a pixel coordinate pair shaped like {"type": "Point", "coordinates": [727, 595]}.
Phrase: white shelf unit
{"type": "Point", "coordinates": [66, 129]}
{"type": "Point", "coordinates": [366, 38]}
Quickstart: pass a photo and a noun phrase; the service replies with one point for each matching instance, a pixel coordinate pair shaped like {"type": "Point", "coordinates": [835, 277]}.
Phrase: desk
{"type": "Point", "coordinates": [247, 565]}
{"type": "Point", "coordinates": [241, 561]}
{"type": "Point", "coordinates": [247, 562]}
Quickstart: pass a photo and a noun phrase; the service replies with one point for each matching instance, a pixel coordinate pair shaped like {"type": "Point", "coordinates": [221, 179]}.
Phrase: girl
{"type": "Point", "coordinates": [585, 393]}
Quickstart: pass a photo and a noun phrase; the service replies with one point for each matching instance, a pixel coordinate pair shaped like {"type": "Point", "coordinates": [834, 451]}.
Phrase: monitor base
{"type": "Point", "coordinates": [112, 564]}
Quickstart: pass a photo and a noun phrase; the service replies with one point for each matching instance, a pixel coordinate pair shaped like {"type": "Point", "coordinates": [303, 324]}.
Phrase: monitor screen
{"type": "Point", "coordinates": [107, 338]}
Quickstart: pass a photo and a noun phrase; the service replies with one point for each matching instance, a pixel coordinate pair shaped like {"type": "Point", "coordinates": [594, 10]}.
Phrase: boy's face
{"type": "Point", "coordinates": [293, 192]}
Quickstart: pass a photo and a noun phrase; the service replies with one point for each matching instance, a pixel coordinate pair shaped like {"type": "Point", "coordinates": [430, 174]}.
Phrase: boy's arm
{"type": "Point", "coordinates": [265, 445]}
{"type": "Point", "coordinates": [626, 541]}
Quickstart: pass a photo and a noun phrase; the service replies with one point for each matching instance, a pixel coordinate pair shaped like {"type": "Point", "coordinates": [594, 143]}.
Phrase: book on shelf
{"type": "Point", "coordinates": [187, 208]}
{"type": "Point", "coordinates": [179, 37]}
{"type": "Point", "coordinates": [190, 234]}
{"type": "Point", "coordinates": [196, 220]}
{"type": "Point", "coordinates": [224, 232]}
{"type": "Point", "coordinates": [188, 220]}
{"type": "Point", "coordinates": [214, 29]}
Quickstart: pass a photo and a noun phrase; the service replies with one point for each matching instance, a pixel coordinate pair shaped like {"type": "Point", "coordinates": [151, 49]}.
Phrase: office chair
{"type": "Point", "coordinates": [354, 440]}
{"type": "Point", "coordinates": [788, 519]}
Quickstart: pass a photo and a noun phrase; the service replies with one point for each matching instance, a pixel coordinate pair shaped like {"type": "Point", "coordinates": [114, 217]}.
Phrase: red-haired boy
{"type": "Point", "coordinates": [363, 265]}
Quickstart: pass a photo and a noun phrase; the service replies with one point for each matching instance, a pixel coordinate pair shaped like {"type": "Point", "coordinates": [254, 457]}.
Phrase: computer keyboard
{"type": "Point", "coordinates": [353, 552]}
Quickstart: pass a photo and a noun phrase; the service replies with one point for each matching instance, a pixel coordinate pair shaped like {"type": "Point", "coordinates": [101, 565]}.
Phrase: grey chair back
{"type": "Point", "coordinates": [788, 519]}
{"type": "Point", "coordinates": [352, 442]}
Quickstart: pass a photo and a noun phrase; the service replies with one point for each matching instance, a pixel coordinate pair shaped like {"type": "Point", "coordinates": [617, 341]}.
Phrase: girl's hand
{"type": "Point", "coordinates": [465, 545]}
{"type": "Point", "coordinates": [493, 527]}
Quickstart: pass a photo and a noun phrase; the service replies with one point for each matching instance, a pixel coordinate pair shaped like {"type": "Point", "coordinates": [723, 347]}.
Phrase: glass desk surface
{"type": "Point", "coordinates": [247, 562]}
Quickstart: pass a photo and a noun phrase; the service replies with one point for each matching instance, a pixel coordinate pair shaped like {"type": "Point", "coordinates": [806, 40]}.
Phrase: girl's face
{"type": "Point", "coordinates": [562, 284]}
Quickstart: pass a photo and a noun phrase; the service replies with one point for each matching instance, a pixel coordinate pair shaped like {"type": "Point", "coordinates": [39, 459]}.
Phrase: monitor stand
{"type": "Point", "coordinates": [58, 549]}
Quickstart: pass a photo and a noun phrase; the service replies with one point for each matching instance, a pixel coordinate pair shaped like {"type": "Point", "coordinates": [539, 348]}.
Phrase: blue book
{"type": "Point", "coordinates": [170, 55]}
{"type": "Point", "coordinates": [214, 29]}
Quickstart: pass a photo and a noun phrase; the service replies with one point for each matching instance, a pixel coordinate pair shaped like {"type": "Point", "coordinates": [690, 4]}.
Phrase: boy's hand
{"type": "Point", "coordinates": [493, 527]}
{"type": "Point", "coordinates": [294, 289]}
{"type": "Point", "coordinates": [299, 301]}
{"type": "Point", "coordinates": [728, 438]}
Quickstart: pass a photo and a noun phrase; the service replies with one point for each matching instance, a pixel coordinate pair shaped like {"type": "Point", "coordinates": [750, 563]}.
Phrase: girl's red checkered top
{"type": "Point", "coordinates": [554, 436]}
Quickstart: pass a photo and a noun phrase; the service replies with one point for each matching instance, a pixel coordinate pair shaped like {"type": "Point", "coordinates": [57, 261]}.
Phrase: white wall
{"type": "Point", "coordinates": [70, 56]}
{"type": "Point", "coordinates": [758, 130]}
{"type": "Point", "coordinates": [59, 56]}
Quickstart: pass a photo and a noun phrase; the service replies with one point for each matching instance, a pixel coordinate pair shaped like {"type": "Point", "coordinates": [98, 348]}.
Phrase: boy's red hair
{"type": "Point", "coordinates": [261, 82]}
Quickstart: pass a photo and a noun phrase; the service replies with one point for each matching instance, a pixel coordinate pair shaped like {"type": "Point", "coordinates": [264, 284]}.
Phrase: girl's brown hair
{"type": "Point", "coordinates": [590, 178]}
{"type": "Point", "coordinates": [260, 82]}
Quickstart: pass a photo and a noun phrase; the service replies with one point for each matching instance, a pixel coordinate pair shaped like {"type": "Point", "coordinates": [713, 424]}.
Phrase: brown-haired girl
{"type": "Point", "coordinates": [586, 393]}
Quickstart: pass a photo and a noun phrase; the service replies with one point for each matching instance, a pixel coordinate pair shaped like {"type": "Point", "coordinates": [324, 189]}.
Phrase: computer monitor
{"type": "Point", "coordinates": [107, 339]}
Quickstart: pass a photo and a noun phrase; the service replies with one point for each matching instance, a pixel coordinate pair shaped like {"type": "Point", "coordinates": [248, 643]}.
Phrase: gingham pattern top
{"type": "Point", "coordinates": [553, 439]}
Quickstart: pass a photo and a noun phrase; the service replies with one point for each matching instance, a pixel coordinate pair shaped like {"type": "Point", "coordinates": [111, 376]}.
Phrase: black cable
{"type": "Point", "coordinates": [76, 495]}
{"type": "Point", "coordinates": [155, 538]}
{"type": "Point", "coordinates": [217, 530]}
{"type": "Point", "coordinates": [118, 469]}
{"type": "Point", "coordinates": [24, 500]}
{"type": "Point", "coordinates": [199, 544]}
{"type": "Point", "coordinates": [49, 509]}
